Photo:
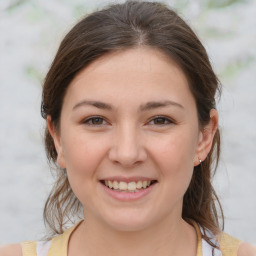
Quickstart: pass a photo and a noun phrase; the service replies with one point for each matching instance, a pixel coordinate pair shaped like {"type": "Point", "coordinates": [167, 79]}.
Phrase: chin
{"type": "Point", "coordinates": [128, 227]}
{"type": "Point", "coordinates": [130, 223]}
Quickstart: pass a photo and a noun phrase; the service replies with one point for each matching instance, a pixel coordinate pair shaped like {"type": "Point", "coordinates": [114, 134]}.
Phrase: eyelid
{"type": "Point", "coordinates": [87, 120]}
{"type": "Point", "coordinates": [90, 118]}
{"type": "Point", "coordinates": [168, 119]}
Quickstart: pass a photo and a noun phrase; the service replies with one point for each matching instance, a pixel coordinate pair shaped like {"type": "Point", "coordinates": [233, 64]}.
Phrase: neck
{"type": "Point", "coordinates": [165, 238]}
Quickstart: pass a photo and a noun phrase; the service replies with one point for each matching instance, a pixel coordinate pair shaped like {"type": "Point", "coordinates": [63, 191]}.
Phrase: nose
{"type": "Point", "coordinates": [127, 147]}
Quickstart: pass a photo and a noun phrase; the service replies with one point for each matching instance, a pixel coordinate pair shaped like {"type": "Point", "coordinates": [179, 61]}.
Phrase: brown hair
{"type": "Point", "coordinates": [123, 26]}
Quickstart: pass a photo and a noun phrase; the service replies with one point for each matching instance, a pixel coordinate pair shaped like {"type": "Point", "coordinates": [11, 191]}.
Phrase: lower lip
{"type": "Point", "coordinates": [128, 196]}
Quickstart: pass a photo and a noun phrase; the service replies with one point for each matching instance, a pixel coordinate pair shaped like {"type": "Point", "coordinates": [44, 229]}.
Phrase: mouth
{"type": "Point", "coordinates": [128, 187]}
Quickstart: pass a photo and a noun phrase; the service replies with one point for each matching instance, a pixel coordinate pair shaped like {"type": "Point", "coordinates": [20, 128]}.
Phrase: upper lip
{"type": "Point", "coordinates": [127, 179]}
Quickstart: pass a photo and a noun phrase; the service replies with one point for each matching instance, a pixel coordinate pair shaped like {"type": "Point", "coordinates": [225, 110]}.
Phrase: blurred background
{"type": "Point", "coordinates": [30, 32]}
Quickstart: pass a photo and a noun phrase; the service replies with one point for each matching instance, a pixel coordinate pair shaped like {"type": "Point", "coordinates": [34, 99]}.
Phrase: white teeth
{"type": "Point", "coordinates": [132, 186]}
{"type": "Point", "coordinates": [124, 186]}
{"type": "Point", "coordinates": [139, 184]}
{"type": "Point", "coordinates": [115, 185]}
{"type": "Point", "coordinates": [110, 184]}
{"type": "Point", "coordinates": [144, 184]}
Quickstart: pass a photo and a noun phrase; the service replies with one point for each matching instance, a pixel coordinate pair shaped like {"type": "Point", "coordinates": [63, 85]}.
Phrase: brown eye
{"type": "Point", "coordinates": [95, 121]}
{"type": "Point", "coordinates": [161, 121]}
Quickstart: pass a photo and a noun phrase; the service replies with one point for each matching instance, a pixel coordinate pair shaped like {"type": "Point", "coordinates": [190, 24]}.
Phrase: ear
{"type": "Point", "coordinates": [206, 137]}
{"type": "Point", "coordinates": [57, 142]}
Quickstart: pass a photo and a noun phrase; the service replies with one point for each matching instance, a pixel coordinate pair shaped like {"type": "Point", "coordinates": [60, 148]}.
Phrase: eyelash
{"type": "Point", "coordinates": [90, 120]}
{"type": "Point", "coordinates": [164, 118]}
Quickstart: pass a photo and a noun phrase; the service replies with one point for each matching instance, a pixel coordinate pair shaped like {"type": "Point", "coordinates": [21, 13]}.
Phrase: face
{"type": "Point", "coordinates": [129, 139]}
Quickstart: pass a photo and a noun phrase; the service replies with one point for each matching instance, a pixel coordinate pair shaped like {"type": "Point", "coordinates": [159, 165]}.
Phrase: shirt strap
{"type": "Point", "coordinates": [29, 248]}
{"type": "Point", "coordinates": [59, 244]}
{"type": "Point", "coordinates": [199, 238]}
{"type": "Point", "coordinates": [228, 244]}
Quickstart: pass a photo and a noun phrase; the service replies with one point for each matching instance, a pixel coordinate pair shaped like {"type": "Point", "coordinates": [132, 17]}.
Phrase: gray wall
{"type": "Point", "coordinates": [30, 33]}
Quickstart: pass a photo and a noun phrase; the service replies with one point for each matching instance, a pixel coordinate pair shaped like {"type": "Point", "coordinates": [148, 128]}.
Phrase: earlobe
{"type": "Point", "coordinates": [57, 142]}
{"type": "Point", "coordinates": [206, 137]}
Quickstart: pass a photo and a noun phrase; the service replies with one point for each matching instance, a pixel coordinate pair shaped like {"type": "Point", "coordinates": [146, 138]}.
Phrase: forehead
{"type": "Point", "coordinates": [142, 73]}
{"type": "Point", "coordinates": [140, 59]}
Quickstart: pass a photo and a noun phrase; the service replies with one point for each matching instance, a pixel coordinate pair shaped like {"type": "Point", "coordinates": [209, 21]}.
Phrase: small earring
{"type": "Point", "coordinates": [200, 161]}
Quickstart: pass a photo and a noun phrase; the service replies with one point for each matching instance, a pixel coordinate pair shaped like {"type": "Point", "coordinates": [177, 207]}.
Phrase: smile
{"type": "Point", "coordinates": [133, 186]}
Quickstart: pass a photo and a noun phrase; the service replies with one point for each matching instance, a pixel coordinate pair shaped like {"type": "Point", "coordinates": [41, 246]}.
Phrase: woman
{"type": "Point", "coordinates": [132, 127]}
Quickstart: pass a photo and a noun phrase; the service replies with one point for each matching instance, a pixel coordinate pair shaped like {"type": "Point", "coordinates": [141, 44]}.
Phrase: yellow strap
{"type": "Point", "coordinates": [28, 248]}
{"type": "Point", "coordinates": [199, 239]}
{"type": "Point", "coordinates": [228, 245]}
{"type": "Point", "coordinates": [59, 244]}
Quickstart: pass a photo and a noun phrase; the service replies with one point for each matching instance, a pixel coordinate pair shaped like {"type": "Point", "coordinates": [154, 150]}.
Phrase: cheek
{"type": "Point", "coordinates": [175, 150]}
{"type": "Point", "coordinates": [83, 154]}
{"type": "Point", "coordinates": [175, 160]}
{"type": "Point", "coordinates": [176, 165]}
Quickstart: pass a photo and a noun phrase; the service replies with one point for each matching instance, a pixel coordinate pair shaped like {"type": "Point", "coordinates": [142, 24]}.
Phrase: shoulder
{"type": "Point", "coordinates": [232, 246]}
{"type": "Point", "coordinates": [11, 250]}
{"type": "Point", "coordinates": [246, 249]}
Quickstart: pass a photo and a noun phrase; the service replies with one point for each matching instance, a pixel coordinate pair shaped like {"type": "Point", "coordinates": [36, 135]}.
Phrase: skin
{"type": "Point", "coordinates": [132, 138]}
{"type": "Point", "coordinates": [130, 141]}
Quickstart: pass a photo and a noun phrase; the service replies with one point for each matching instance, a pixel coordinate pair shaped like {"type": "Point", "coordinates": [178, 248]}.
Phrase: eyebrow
{"type": "Point", "coordinates": [97, 104]}
{"type": "Point", "coordinates": [144, 107]}
{"type": "Point", "coordinates": [159, 104]}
